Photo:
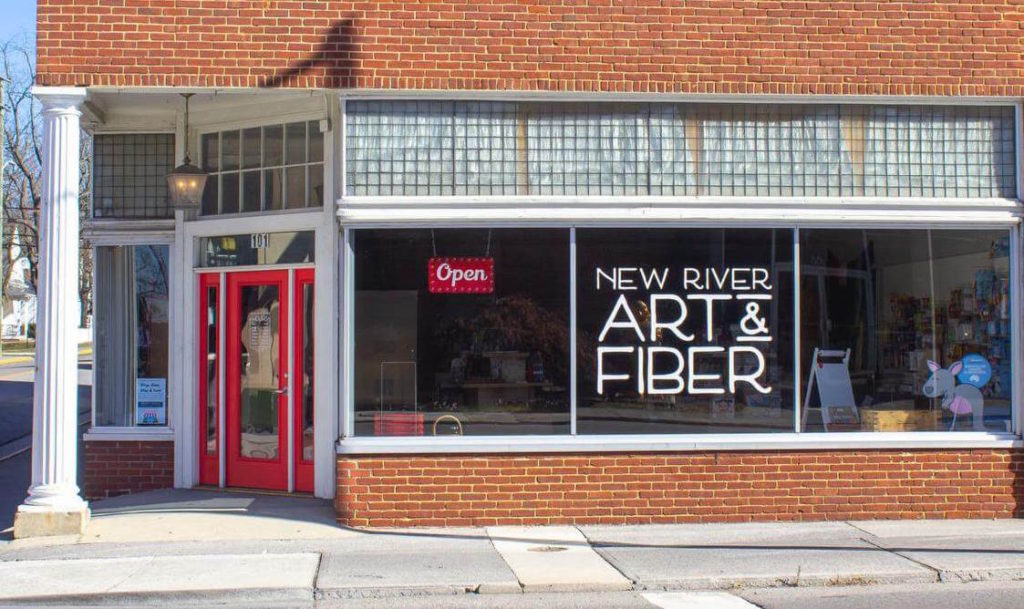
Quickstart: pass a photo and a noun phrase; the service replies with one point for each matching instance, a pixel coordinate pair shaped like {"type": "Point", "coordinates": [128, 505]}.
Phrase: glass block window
{"type": "Point", "coordinates": [766, 150]}
{"type": "Point", "coordinates": [588, 149]}
{"type": "Point", "coordinates": [260, 169]}
{"type": "Point", "coordinates": [485, 148]}
{"type": "Point", "coordinates": [433, 148]}
{"type": "Point", "coordinates": [923, 151]}
{"type": "Point", "coordinates": [130, 175]}
{"type": "Point", "coordinates": [403, 148]}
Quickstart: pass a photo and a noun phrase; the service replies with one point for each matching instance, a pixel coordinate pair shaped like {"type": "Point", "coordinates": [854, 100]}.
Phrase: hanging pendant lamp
{"type": "Point", "coordinates": [186, 182]}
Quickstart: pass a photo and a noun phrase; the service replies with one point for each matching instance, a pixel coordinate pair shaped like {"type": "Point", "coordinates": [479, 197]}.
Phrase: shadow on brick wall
{"type": "Point", "coordinates": [334, 61]}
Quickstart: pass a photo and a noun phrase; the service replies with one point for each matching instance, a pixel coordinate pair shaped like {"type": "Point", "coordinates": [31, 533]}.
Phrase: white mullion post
{"type": "Point", "coordinates": [290, 379]}
{"type": "Point", "coordinates": [348, 351]}
{"type": "Point", "coordinates": [797, 368]}
{"type": "Point", "coordinates": [1018, 131]}
{"type": "Point", "coordinates": [343, 178]}
{"type": "Point", "coordinates": [326, 312]}
{"type": "Point", "coordinates": [222, 459]}
{"type": "Point", "coordinates": [572, 331]}
{"type": "Point", "coordinates": [92, 388]}
{"type": "Point", "coordinates": [185, 415]}
{"type": "Point", "coordinates": [1015, 291]}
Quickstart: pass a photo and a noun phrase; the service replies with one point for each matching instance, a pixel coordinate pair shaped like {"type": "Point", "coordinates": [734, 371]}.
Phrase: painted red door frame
{"type": "Point", "coordinates": [209, 463]}
{"type": "Point", "coordinates": [303, 468]}
{"type": "Point", "coordinates": [245, 471]}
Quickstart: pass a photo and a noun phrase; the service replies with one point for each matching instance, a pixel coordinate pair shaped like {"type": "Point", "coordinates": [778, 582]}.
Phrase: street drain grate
{"type": "Point", "coordinates": [547, 549]}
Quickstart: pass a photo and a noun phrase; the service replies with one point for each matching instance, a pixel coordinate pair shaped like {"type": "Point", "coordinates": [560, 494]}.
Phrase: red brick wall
{"type": "Point", "coordinates": [937, 47]}
{"type": "Point", "coordinates": [122, 468]}
{"type": "Point", "coordinates": [460, 490]}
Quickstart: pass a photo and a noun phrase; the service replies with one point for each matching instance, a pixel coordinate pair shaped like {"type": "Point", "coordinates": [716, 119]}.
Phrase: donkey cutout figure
{"type": "Point", "coordinates": [958, 399]}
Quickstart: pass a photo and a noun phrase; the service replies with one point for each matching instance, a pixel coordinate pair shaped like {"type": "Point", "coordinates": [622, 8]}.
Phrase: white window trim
{"type": "Point", "coordinates": [133, 236]}
{"type": "Point", "coordinates": [677, 443]}
{"type": "Point", "coordinates": [161, 433]}
{"type": "Point", "coordinates": [700, 98]}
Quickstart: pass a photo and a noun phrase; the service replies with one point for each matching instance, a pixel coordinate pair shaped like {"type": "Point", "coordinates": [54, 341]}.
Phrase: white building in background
{"type": "Point", "coordinates": [19, 304]}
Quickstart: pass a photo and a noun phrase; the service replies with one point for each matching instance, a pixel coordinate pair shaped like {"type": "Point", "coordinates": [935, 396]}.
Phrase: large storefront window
{"type": "Point", "coordinates": [461, 332]}
{"type": "Point", "coordinates": [131, 335]}
{"type": "Point", "coordinates": [684, 330]}
{"type": "Point", "coordinates": [919, 320]}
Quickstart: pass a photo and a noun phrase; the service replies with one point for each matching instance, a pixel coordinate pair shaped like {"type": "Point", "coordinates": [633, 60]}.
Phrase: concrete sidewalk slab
{"type": "Point", "coordinates": [414, 562]}
{"type": "Point", "coordinates": [980, 558]}
{"type": "Point", "coordinates": [554, 559]}
{"type": "Point", "coordinates": [170, 578]}
{"type": "Point", "coordinates": [204, 515]}
{"type": "Point", "coordinates": [941, 528]}
{"type": "Point", "coordinates": [724, 556]}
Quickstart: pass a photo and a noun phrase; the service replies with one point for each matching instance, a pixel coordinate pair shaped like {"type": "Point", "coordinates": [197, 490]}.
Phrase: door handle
{"type": "Point", "coordinates": [283, 390]}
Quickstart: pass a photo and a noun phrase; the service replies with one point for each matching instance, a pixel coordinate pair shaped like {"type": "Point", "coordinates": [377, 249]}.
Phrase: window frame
{"type": "Point", "coordinates": [571, 212]}
{"type": "Point", "coordinates": [259, 123]}
{"type": "Point", "coordinates": [137, 432]}
{"type": "Point", "coordinates": [92, 219]}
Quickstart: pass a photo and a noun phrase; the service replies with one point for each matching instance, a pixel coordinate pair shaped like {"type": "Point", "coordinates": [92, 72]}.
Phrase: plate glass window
{"type": "Point", "coordinates": [465, 354]}
{"type": "Point", "coordinates": [132, 327]}
{"type": "Point", "coordinates": [924, 316]}
{"type": "Point", "coordinates": [684, 331]}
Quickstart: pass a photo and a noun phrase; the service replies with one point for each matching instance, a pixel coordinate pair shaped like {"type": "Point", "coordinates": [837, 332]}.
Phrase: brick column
{"type": "Point", "coordinates": [53, 505]}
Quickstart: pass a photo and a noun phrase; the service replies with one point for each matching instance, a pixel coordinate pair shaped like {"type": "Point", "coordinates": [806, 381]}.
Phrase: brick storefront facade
{"type": "Point", "coordinates": [939, 47]}
{"type": "Point", "coordinates": [393, 491]}
{"type": "Point", "coordinates": [927, 52]}
{"type": "Point", "coordinates": [126, 467]}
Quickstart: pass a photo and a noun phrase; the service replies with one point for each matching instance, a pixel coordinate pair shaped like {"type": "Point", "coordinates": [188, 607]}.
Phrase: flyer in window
{"type": "Point", "coordinates": [151, 401]}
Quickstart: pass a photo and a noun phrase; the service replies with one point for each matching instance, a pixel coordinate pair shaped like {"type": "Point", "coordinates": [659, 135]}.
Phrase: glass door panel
{"type": "Point", "coordinates": [257, 398]}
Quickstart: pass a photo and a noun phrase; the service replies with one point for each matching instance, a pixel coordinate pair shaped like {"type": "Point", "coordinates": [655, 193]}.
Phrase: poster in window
{"type": "Point", "coordinates": [151, 401]}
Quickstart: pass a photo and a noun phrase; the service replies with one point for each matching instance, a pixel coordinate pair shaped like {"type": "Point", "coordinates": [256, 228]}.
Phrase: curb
{"type": "Point", "coordinates": [256, 595]}
{"type": "Point", "coordinates": [305, 594]}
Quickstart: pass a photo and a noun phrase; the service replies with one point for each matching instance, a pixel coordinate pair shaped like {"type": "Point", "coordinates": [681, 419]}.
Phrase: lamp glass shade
{"type": "Point", "coordinates": [185, 186]}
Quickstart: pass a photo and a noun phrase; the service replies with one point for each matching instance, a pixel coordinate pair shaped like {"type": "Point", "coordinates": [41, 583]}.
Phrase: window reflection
{"type": "Point", "coordinates": [925, 316]}
{"type": "Point", "coordinates": [460, 357]}
{"type": "Point", "coordinates": [684, 331]}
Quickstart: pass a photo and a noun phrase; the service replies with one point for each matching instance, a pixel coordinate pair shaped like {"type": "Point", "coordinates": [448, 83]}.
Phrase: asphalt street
{"type": "Point", "coordinates": [16, 428]}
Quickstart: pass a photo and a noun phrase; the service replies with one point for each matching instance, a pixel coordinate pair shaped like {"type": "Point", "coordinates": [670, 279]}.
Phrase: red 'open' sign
{"type": "Point", "coordinates": [461, 275]}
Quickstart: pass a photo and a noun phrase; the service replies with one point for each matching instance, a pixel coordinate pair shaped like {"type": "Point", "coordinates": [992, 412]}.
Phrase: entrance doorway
{"type": "Point", "coordinates": [256, 379]}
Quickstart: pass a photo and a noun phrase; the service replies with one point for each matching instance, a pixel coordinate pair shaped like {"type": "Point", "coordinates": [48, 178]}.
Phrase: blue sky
{"type": "Point", "coordinates": [18, 17]}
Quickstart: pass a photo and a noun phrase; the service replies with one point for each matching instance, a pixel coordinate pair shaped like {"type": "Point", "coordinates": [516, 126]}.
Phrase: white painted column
{"type": "Point", "coordinates": [53, 505]}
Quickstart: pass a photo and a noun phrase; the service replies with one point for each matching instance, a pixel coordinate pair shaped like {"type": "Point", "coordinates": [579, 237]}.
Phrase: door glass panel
{"type": "Point", "coordinates": [258, 402]}
{"type": "Point", "coordinates": [211, 370]}
{"type": "Point", "coordinates": [307, 372]}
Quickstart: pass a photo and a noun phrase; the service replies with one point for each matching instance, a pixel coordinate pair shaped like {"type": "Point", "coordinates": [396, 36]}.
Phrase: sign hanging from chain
{"type": "Point", "coordinates": [461, 275]}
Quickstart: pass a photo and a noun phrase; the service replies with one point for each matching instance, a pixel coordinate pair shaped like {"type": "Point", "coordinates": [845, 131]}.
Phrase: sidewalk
{"type": "Point", "coordinates": [176, 546]}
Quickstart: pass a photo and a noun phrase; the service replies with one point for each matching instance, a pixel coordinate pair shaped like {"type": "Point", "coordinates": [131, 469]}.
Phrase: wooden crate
{"type": "Point", "coordinates": [899, 419]}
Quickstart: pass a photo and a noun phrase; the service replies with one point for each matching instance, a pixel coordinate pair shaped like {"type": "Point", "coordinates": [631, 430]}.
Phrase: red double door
{"type": "Point", "coordinates": [264, 424]}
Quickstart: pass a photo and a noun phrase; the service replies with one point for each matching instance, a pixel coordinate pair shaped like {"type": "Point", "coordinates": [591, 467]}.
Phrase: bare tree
{"type": "Point", "coordinates": [22, 185]}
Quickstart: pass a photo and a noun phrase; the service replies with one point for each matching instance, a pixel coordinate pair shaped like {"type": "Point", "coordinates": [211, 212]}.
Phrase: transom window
{"type": "Point", "coordinates": [431, 148]}
{"type": "Point", "coordinates": [267, 168]}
